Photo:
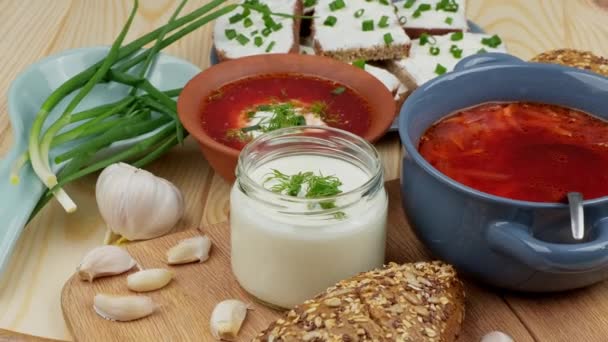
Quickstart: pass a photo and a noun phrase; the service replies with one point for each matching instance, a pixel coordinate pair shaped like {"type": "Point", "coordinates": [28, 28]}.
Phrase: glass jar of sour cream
{"type": "Point", "coordinates": [287, 243]}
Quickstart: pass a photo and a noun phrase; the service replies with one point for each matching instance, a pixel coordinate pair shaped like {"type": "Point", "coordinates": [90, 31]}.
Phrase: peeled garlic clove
{"type": "Point", "coordinates": [123, 308]}
{"type": "Point", "coordinates": [189, 250]}
{"type": "Point", "coordinates": [105, 261]}
{"type": "Point", "coordinates": [227, 318]}
{"type": "Point", "coordinates": [149, 280]}
{"type": "Point", "coordinates": [496, 336]}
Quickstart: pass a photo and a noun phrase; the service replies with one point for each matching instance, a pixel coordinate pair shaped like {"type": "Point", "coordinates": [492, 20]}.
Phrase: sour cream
{"type": "Point", "coordinates": [284, 253]}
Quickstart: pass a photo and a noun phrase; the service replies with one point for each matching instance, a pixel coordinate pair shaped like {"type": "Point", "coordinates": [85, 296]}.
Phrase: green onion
{"type": "Point", "coordinates": [384, 2]}
{"type": "Point", "coordinates": [456, 36]}
{"type": "Point", "coordinates": [402, 20]}
{"type": "Point", "coordinates": [336, 5]}
{"type": "Point", "coordinates": [330, 21]}
{"type": "Point", "coordinates": [258, 41]}
{"type": "Point", "coordinates": [482, 50]}
{"type": "Point", "coordinates": [230, 34]}
{"type": "Point", "coordinates": [338, 91]}
{"type": "Point", "coordinates": [421, 8]}
{"type": "Point", "coordinates": [409, 3]}
{"type": "Point", "coordinates": [449, 20]}
{"type": "Point", "coordinates": [383, 23]}
{"type": "Point", "coordinates": [277, 27]}
{"type": "Point", "coordinates": [433, 50]}
{"type": "Point", "coordinates": [253, 33]}
{"type": "Point", "coordinates": [367, 25]}
{"type": "Point", "coordinates": [492, 42]}
{"type": "Point", "coordinates": [455, 51]}
{"type": "Point", "coordinates": [388, 38]}
{"type": "Point", "coordinates": [360, 63]}
{"type": "Point", "coordinates": [270, 46]}
{"type": "Point", "coordinates": [426, 38]}
{"type": "Point", "coordinates": [447, 5]}
{"type": "Point", "coordinates": [266, 32]}
{"type": "Point", "coordinates": [309, 3]}
{"type": "Point", "coordinates": [247, 22]}
{"type": "Point", "coordinates": [440, 69]}
{"type": "Point", "coordinates": [359, 13]}
{"type": "Point", "coordinates": [235, 18]}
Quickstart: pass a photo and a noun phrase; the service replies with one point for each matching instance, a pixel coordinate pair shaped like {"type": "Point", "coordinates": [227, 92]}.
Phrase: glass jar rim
{"type": "Point", "coordinates": [376, 170]}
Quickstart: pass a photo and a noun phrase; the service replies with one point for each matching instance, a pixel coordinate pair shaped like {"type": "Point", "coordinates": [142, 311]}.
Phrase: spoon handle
{"type": "Point", "coordinates": [577, 217]}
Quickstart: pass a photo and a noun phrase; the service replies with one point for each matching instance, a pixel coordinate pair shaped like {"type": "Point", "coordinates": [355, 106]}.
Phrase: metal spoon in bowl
{"type": "Point", "coordinates": [577, 219]}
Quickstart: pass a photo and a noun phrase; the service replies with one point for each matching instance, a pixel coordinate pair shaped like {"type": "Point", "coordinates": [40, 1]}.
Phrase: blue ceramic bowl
{"type": "Point", "coordinates": [512, 244]}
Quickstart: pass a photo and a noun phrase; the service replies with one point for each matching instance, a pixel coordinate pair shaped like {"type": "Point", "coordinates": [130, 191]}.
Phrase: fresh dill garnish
{"type": "Point", "coordinates": [283, 115]}
{"type": "Point", "coordinates": [338, 91]}
{"type": "Point", "coordinates": [320, 109]}
{"type": "Point", "coordinates": [316, 187]}
{"type": "Point", "coordinates": [238, 135]}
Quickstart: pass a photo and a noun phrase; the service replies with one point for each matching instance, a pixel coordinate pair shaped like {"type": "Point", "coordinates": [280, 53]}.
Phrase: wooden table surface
{"type": "Point", "coordinates": [51, 246]}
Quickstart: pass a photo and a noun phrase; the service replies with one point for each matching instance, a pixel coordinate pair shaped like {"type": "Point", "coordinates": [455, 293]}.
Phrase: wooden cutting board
{"type": "Point", "coordinates": [186, 303]}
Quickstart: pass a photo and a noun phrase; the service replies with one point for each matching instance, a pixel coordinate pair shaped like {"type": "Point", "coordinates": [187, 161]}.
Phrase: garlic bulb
{"type": "Point", "coordinates": [105, 261]}
{"type": "Point", "coordinates": [136, 204]}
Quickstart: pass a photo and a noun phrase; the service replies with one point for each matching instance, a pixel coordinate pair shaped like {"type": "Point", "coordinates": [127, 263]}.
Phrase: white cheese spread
{"type": "Point", "coordinates": [426, 14]}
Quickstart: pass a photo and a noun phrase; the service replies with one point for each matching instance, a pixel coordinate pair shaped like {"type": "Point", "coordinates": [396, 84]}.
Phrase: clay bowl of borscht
{"type": "Point", "coordinates": [493, 150]}
{"type": "Point", "coordinates": [230, 104]}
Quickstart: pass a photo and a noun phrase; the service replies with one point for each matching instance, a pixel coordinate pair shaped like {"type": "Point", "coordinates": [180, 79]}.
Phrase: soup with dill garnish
{"type": "Point", "coordinates": [523, 151]}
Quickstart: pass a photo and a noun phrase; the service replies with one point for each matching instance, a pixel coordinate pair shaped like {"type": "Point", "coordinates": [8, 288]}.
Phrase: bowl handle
{"type": "Point", "coordinates": [515, 240]}
{"type": "Point", "coordinates": [482, 59]}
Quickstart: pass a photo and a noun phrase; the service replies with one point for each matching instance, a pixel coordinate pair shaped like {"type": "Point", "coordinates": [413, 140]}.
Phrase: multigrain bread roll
{"type": "Point", "coordinates": [423, 301]}
{"type": "Point", "coordinates": [575, 58]}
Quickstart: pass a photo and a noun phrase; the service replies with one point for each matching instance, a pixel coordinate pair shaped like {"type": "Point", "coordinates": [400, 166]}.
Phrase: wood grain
{"type": "Point", "coordinates": [51, 246]}
{"type": "Point", "coordinates": [186, 303]}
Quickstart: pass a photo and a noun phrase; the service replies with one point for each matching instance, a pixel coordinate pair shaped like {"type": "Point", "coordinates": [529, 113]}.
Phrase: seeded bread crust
{"type": "Point", "coordinates": [295, 48]}
{"type": "Point", "coordinates": [415, 32]}
{"type": "Point", "coordinates": [393, 51]}
{"type": "Point", "coordinates": [423, 301]}
{"type": "Point", "coordinates": [575, 58]}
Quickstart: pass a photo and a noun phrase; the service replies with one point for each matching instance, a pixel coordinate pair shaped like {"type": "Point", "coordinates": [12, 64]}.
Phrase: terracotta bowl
{"type": "Point", "coordinates": [222, 158]}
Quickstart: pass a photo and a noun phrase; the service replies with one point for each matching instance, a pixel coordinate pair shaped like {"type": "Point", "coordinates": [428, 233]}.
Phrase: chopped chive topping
{"type": "Point", "coordinates": [402, 20]}
{"type": "Point", "coordinates": [426, 38]}
{"type": "Point", "coordinates": [388, 38]}
{"type": "Point", "coordinates": [383, 21]}
{"type": "Point", "coordinates": [309, 3]}
{"type": "Point", "coordinates": [336, 5]}
{"type": "Point", "coordinates": [270, 23]}
{"type": "Point", "coordinates": [447, 5]}
{"type": "Point", "coordinates": [367, 25]}
{"type": "Point", "coordinates": [433, 50]}
{"type": "Point", "coordinates": [330, 21]}
{"type": "Point", "coordinates": [421, 8]}
{"type": "Point", "coordinates": [246, 12]}
{"type": "Point", "coordinates": [230, 34]}
{"type": "Point", "coordinates": [360, 63]}
{"type": "Point", "coordinates": [449, 20]}
{"type": "Point", "coordinates": [338, 91]}
{"type": "Point", "coordinates": [277, 27]}
{"type": "Point", "coordinates": [409, 3]}
{"type": "Point", "coordinates": [270, 46]}
{"type": "Point", "coordinates": [456, 36]}
{"type": "Point", "coordinates": [242, 39]}
{"type": "Point", "coordinates": [258, 41]}
{"type": "Point", "coordinates": [247, 22]}
{"type": "Point", "coordinates": [492, 42]}
{"type": "Point", "coordinates": [253, 33]}
{"type": "Point", "coordinates": [266, 32]}
{"type": "Point", "coordinates": [456, 52]}
{"type": "Point", "coordinates": [440, 69]}
{"type": "Point", "coordinates": [482, 50]}
{"type": "Point", "coordinates": [235, 18]}
{"type": "Point", "coordinates": [359, 13]}
{"type": "Point", "coordinates": [384, 2]}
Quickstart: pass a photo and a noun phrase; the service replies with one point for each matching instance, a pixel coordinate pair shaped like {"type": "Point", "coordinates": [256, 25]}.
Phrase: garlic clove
{"type": "Point", "coordinates": [496, 336]}
{"type": "Point", "coordinates": [227, 318]}
{"type": "Point", "coordinates": [105, 261]}
{"type": "Point", "coordinates": [189, 250]}
{"type": "Point", "coordinates": [123, 308]}
{"type": "Point", "coordinates": [149, 280]}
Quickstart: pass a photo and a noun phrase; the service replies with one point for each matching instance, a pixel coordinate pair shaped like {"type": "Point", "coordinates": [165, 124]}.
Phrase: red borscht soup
{"type": "Point", "coordinates": [242, 110]}
{"type": "Point", "coordinates": [524, 151]}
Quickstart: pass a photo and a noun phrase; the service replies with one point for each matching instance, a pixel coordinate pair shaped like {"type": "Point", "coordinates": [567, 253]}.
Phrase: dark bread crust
{"type": "Point", "coordinates": [415, 32]}
{"type": "Point", "coordinates": [295, 48]}
{"type": "Point", "coordinates": [413, 302]}
{"type": "Point", "coordinates": [394, 51]}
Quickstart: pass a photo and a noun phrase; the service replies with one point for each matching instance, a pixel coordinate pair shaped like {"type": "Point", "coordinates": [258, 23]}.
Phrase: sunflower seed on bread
{"type": "Point", "coordinates": [422, 301]}
{"type": "Point", "coordinates": [575, 58]}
